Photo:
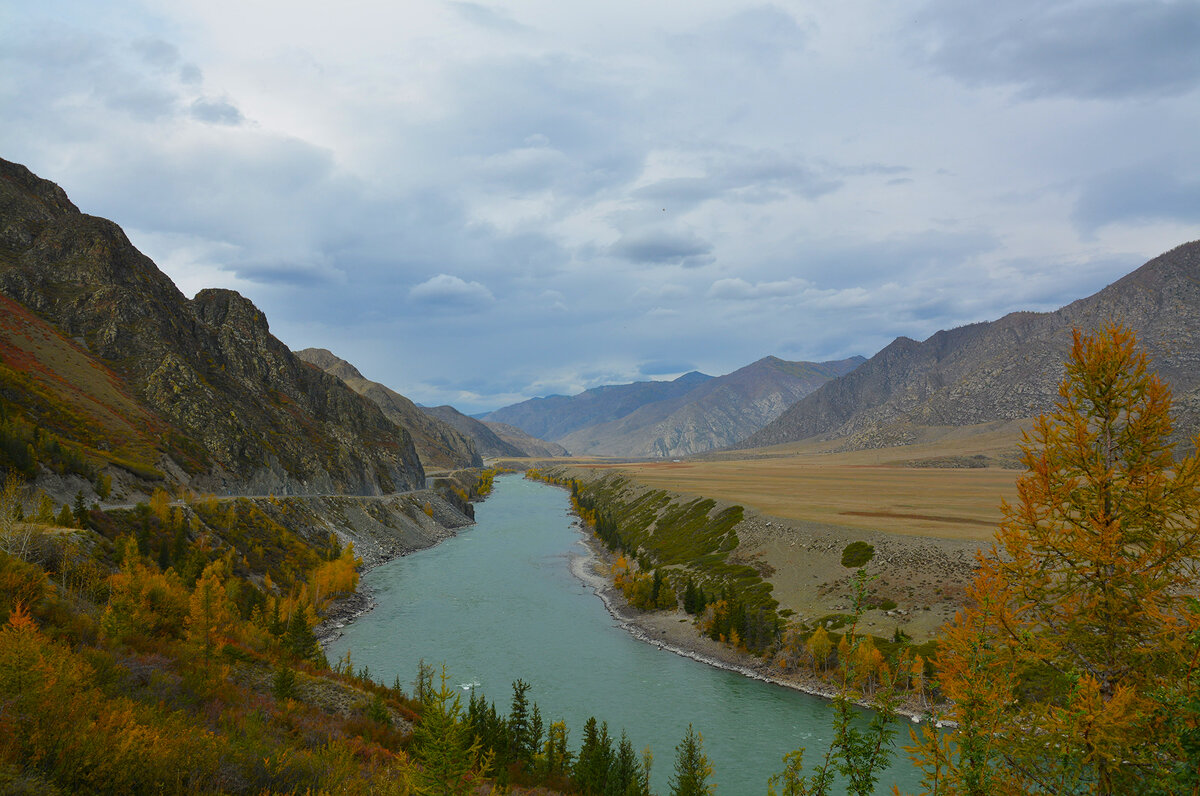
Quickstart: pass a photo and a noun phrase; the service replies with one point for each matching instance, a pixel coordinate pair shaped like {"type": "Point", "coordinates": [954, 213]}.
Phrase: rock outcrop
{"type": "Point", "coordinates": [439, 445]}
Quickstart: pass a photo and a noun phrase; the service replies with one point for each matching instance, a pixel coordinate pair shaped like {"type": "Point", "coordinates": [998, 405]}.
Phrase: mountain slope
{"type": "Point", "coordinates": [487, 442]}
{"type": "Point", "coordinates": [256, 418]}
{"type": "Point", "coordinates": [438, 444]}
{"type": "Point", "coordinates": [716, 414]}
{"type": "Point", "coordinates": [556, 416]}
{"type": "Point", "coordinates": [1007, 369]}
{"type": "Point", "coordinates": [531, 446]}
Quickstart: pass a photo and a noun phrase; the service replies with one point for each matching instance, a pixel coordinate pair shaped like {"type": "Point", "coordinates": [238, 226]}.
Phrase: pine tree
{"type": "Point", "coordinates": [451, 759]}
{"type": "Point", "coordinates": [299, 639]}
{"type": "Point", "coordinates": [521, 747]}
{"type": "Point", "coordinates": [595, 759]}
{"type": "Point", "coordinates": [692, 767]}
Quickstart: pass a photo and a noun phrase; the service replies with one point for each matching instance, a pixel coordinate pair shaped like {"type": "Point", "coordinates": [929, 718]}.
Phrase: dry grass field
{"type": "Point", "coordinates": [925, 507]}
{"type": "Point", "coordinates": [890, 490]}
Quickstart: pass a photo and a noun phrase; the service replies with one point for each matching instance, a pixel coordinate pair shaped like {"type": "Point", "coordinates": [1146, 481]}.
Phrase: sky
{"type": "Point", "coordinates": [481, 202]}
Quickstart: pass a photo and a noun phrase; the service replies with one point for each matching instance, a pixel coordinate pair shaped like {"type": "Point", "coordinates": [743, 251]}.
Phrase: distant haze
{"type": "Point", "coordinates": [480, 203]}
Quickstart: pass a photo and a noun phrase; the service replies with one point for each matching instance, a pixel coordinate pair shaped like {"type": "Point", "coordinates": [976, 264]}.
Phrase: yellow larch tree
{"type": "Point", "coordinates": [1077, 617]}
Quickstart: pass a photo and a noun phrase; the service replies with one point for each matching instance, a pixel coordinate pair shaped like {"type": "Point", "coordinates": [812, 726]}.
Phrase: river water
{"type": "Point", "coordinates": [498, 602]}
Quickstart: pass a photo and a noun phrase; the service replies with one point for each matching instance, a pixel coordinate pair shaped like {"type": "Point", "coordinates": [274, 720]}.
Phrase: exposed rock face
{"type": "Point", "coordinates": [1008, 369]}
{"type": "Point", "coordinates": [716, 414]}
{"type": "Point", "coordinates": [487, 442]}
{"type": "Point", "coordinates": [262, 420]}
{"type": "Point", "coordinates": [438, 444]}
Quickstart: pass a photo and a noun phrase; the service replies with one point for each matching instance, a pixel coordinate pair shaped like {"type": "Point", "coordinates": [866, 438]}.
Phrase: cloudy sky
{"type": "Point", "coordinates": [479, 202]}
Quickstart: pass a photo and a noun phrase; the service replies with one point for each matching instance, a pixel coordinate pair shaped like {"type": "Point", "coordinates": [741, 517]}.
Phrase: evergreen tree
{"type": "Point", "coordinates": [692, 767]}
{"type": "Point", "coordinates": [595, 759]}
{"type": "Point", "coordinates": [299, 639]}
{"type": "Point", "coordinates": [626, 775]}
{"type": "Point", "coordinates": [80, 510]}
{"type": "Point", "coordinates": [521, 746]}
{"type": "Point", "coordinates": [451, 759]}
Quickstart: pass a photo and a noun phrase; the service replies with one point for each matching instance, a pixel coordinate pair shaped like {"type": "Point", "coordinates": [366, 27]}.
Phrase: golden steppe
{"type": "Point", "coordinates": [927, 508]}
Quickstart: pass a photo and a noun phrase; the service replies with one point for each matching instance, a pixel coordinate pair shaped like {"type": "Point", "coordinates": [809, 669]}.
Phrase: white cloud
{"type": "Point", "coordinates": [447, 289]}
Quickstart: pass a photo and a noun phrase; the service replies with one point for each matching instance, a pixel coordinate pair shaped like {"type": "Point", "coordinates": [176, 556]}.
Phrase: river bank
{"type": "Point", "coordinates": [380, 542]}
{"type": "Point", "coordinates": [674, 632]}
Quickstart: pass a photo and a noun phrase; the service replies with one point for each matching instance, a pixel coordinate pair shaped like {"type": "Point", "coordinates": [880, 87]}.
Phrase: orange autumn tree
{"type": "Point", "coordinates": [1077, 617]}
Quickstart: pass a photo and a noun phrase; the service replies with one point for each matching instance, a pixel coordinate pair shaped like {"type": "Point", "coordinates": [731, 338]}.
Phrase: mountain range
{"type": "Point", "coordinates": [106, 367]}
{"type": "Point", "coordinates": [664, 419]}
{"type": "Point", "coordinates": [1008, 369]}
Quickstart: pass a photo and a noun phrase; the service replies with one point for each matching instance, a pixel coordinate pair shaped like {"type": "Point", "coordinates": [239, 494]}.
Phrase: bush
{"type": "Point", "coordinates": [856, 554]}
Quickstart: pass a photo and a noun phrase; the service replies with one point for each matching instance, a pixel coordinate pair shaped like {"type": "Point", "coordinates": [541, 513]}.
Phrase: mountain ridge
{"type": "Point", "coordinates": [714, 414]}
{"type": "Point", "coordinates": [1007, 369]}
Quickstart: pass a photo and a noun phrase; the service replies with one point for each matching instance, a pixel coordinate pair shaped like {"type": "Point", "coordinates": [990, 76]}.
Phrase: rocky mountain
{"type": "Point", "coordinates": [1008, 369]}
{"type": "Point", "coordinates": [531, 446]}
{"type": "Point", "coordinates": [716, 413]}
{"type": "Point", "coordinates": [234, 410]}
{"type": "Point", "coordinates": [439, 445]}
{"type": "Point", "coordinates": [556, 416]}
{"type": "Point", "coordinates": [489, 444]}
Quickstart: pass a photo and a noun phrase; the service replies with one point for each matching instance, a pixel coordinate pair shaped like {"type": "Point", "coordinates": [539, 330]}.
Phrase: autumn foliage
{"type": "Point", "coordinates": [1078, 622]}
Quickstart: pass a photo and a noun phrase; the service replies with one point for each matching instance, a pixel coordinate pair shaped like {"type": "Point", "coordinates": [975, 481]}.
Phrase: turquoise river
{"type": "Point", "coordinates": [498, 602]}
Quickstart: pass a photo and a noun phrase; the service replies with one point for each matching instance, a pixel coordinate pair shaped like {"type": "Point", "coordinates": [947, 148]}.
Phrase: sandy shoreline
{"type": "Point", "coordinates": [673, 631]}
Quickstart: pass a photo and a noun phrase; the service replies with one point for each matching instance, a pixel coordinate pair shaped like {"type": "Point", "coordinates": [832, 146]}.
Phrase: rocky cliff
{"type": "Point", "coordinates": [1008, 369]}
{"type": "Point", "coordinates": [439, 445]}
{"type": "Point", "coordinates": [254, 417]}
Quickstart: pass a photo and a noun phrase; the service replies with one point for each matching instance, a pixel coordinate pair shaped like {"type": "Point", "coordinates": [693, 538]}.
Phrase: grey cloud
{"type": "Point", "coordinates": [512, 114]}
{"type": "Point", "coordinates": [846, 264]}
{"type": "Point", "coordinates": [145, 103]}
{"type": "Point", "coordinates": [1093, 50]}
{"type": "Point", "coordinates": [1151, 192]}
{"type": "Point", "coordinates": [216, 112]}
{"type": "Point", "coordinates": [486, 17]}
{"type": "Point", "coordinates": [665, 367]}
{"type": "Point", "coordinates": [762, 35]}
{"type": "Point", "coordinates": [663, 248]}
{"type": "Point", "coordinates": [748, 176]}
{"type": "Point", "coordinates": [738, 289]}
{"type": "Point", "coordinates": [156, 52]}
{"type": "Point", "coordinates": [190, 75]}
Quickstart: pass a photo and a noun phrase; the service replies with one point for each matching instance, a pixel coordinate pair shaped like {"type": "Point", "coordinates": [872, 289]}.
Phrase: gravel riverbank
{"type": "Point", "coordinates": [673, 631]}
